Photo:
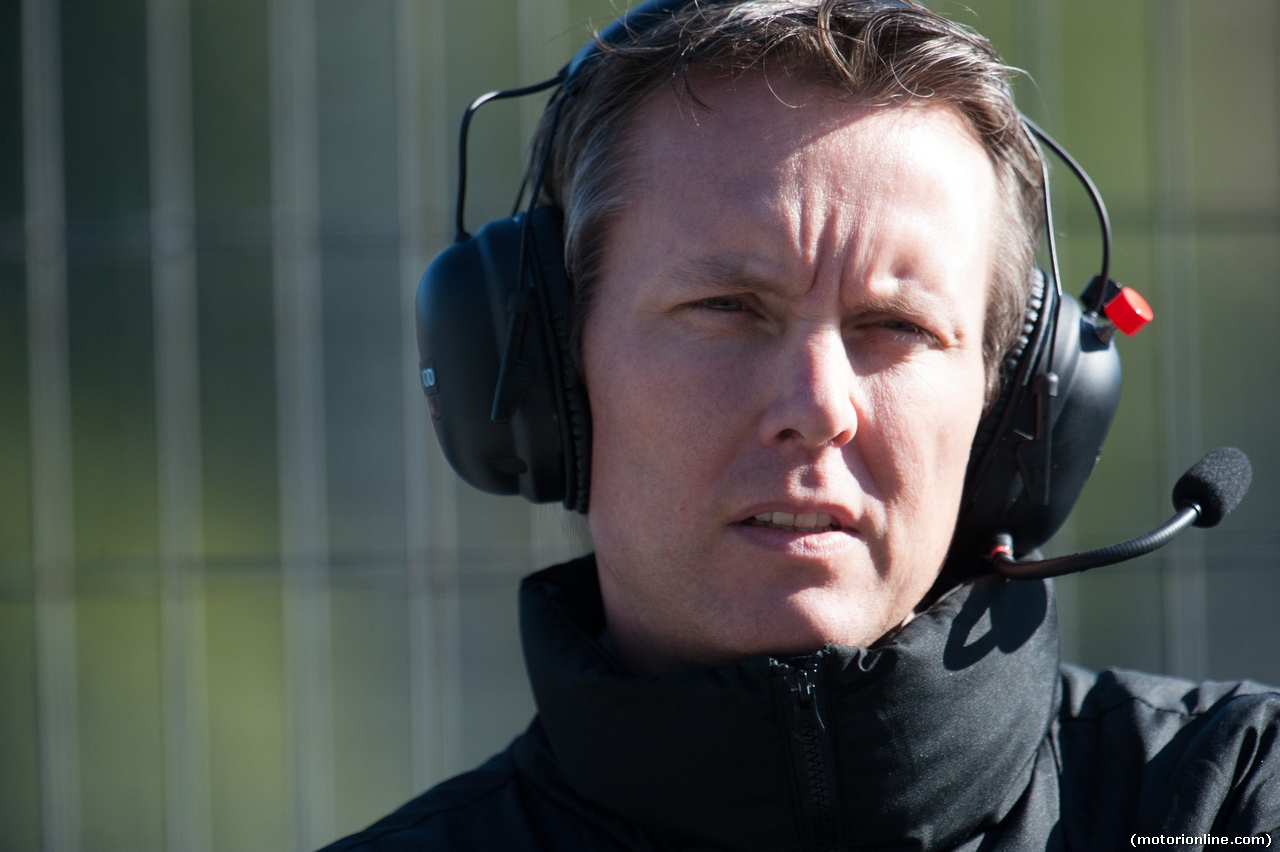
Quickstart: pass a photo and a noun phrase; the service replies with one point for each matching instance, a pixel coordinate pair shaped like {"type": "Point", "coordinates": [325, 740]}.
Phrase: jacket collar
{"type": "Point", "coordinates": [924, 740]}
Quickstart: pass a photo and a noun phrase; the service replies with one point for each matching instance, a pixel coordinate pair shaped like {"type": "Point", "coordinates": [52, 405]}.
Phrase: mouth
{"type": "Point", "coordinates": [805, 523]}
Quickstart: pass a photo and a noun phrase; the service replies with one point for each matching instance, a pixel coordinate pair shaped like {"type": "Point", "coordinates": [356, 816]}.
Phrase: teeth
{"type": "Point", "coordinates": [786, 520]}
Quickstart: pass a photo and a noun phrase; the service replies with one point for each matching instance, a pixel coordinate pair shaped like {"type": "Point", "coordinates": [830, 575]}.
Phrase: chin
{"type": "Point", "coordinates": [810, 621]}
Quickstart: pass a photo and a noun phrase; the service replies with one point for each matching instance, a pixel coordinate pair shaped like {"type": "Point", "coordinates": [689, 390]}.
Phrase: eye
{"type": "Point", "coordinates": [898, 333]}
{"type": "Point", "coordinates": [906, 329]}
{"type": "Point", "coordinates": [723, 304]}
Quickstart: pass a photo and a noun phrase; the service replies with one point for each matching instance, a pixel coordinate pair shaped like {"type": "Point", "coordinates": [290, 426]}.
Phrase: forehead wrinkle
{"type": "Point", "coordinates": [835, 230]}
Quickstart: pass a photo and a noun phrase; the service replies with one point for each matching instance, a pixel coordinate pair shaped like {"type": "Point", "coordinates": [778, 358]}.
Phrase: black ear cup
{"type": "Point", "coordinates": [1036, 447]}
{"type": "Point", "coordinates": [474, 306]}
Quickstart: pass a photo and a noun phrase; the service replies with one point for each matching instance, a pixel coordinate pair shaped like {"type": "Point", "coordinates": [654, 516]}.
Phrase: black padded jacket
{"type": "Point", "coordinates": [963, 731]}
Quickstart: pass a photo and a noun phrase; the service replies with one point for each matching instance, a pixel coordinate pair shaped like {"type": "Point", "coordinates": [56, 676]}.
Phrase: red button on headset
{"type": "Point", "coordinates": [1129, 311]}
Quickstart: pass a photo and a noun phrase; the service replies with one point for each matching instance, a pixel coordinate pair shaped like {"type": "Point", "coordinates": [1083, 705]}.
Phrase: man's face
{"type": "Point", "coordinates": [787, 328]}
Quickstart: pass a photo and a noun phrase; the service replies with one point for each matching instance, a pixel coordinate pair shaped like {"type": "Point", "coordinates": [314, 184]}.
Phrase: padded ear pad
{"type": "Point", "coordinates": [557, 307]}
{"type": "Point", "coordinates": [1014, 371]}
{"type": "Point", "coordinates": [1005, 487]}
{"type": "Point", "coordinates": [466, 301]}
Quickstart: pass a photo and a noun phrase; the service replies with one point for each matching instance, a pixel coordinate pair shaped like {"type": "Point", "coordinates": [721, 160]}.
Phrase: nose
{"type": "Point", "coordinates": [812, 393]}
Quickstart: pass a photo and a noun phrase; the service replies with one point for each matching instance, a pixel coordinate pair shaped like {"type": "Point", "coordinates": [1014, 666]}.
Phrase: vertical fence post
{"type": "Point", "coordinates": [430, 488]}
{"type": "Point", "coordinates": [1185, 636]}
{"type": "Point", "coordinates": [301, 415]}
{"type": "Point", "coordinates": [53, 528]}
{"type": "Point", "coordinates": [178, 463]}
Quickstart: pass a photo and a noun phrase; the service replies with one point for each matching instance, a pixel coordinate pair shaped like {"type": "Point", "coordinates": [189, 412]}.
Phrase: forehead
{"type": "Point", "coordinates": [749, 130]}
{"type": "Point", "coordinates": [779, 166]}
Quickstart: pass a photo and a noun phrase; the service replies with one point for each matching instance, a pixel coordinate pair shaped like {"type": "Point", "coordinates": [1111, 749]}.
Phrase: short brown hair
{"type": "Point", "coordinates": [875, 51]}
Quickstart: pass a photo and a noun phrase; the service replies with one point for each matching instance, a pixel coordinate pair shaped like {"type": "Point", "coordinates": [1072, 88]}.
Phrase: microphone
{"type": "Point", "coordinates": [1216, 484]}
{"type": "Point", "coordinates": [1205, 494]}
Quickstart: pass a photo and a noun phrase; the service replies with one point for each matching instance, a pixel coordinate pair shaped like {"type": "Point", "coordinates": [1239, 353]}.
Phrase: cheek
{"type": "Point", "coordinates": [923, 425]}
{"type": "Point", "coordinates": [662, 419]}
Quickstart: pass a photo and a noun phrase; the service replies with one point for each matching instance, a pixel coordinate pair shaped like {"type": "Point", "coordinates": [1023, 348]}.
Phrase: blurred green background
{"type": "Point", "coordinates": [244, 605]}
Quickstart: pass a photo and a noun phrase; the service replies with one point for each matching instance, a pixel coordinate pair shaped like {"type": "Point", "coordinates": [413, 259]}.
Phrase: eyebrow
{"type": "Point", "coordinates": [735, 271]}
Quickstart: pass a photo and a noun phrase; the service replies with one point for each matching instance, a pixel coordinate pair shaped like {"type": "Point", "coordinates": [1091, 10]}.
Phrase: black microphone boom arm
{"type": "Point", "coordinates": [1203, 496]}
{"type": "Point", "coordinates": [1134, 547]}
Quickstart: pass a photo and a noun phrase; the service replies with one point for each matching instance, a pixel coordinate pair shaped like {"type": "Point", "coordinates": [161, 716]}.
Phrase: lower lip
{"type": "Point", "coordinates": [798, 543]}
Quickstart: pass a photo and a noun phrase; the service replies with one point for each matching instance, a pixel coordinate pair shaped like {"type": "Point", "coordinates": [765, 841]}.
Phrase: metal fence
{"type": "Point", "coordinates": [243, 602]}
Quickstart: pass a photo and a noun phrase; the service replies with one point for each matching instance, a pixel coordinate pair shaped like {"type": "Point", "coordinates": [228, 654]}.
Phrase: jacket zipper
{"type": "Point", "coordinates": [811, 749]}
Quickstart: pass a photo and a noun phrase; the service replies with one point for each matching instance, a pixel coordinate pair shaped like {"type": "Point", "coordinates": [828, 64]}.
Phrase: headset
{"type": "Point", "coordinates": [511, 412]}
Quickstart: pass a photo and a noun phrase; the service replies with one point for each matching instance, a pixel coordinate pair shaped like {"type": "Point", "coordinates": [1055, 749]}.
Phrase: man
{"type": "Point", "coordinates": [799, 236]}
